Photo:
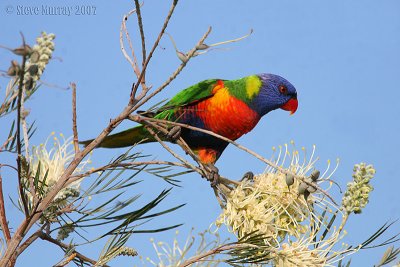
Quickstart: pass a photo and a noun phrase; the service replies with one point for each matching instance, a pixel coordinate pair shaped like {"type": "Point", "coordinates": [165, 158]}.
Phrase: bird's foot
{"type": "Point", "coordinates": [212, 174]}
{"type": "Point", "coordinates": [174, 133]}
{"type": "Point", "coordinates": [248, 176]}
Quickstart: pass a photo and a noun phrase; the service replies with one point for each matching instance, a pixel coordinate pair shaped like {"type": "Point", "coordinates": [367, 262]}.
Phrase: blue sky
{"type": "Point", "coordinates": [342, 56]}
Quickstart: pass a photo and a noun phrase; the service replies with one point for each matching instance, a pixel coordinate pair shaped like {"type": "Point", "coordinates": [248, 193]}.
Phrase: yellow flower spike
{"type": "Point", "coordinates": [53, 133]}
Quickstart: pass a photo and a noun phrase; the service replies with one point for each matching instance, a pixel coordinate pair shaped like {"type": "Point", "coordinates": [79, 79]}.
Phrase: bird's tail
{"type": "Point", "coordinates": [126, 138]}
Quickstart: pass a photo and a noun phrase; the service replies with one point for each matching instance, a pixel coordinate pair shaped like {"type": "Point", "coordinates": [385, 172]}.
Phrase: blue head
{"type": "Point", "coordinates": [275, 92]}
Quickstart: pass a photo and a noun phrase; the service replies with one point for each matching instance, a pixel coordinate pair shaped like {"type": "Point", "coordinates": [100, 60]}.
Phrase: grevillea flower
{"type": "Point", "coordinates": [39, 58]}
{"type": "Point", "coordinates": [310, 251]}
{"type": "Point", "coordinates": [267, 205]}
{"type": "Point", "coordinates": [357, 193]}
{"type": "Point", "coordinates": [52, 164]}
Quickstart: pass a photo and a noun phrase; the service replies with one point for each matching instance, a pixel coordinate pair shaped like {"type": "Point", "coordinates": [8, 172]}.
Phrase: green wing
{"type": "Point", "coordinates": [188, 96]}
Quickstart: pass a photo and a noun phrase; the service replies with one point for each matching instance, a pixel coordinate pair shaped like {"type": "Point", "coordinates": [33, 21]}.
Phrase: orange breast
{"type": "Point", "coordinates": [226, 115]}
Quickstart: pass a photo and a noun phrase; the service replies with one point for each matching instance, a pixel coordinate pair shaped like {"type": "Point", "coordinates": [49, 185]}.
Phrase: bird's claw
{"type": "Point", "coordinates": [213, 175]}
{"type": "Point", "coordinates": [174, 133]}
{"type": "Point", "coordinates": [248, 176]}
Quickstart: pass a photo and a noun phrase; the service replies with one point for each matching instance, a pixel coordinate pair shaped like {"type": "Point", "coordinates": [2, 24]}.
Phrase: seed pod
{"type": "Point", "coordinates": [289, 179]}
{"type": "Point", "coordinates": [34, 57]}
{"type": "Point", "coordinates": [302, 188]}
{"type": "Point", "coordinates": [23, 50]}
{"type": "Point", "coordinates": [33, 69]}
{"type": "Point", "coordinates": [315, 175]}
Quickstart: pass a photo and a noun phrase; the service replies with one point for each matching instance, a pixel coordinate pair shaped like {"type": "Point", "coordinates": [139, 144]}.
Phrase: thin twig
{"type": "Point", "coordinates": [142, 37]}
{"type": "Point", "coordinates": [30, 240]}
{"type": "Point", "coordinates": [5, 144]}
{"type": "Point", "coordinates": [66, 261]}
{"type": "Point", "coordinates": [64, 246]}
{"type": "Point", "coordinates": [189, 55]}
{"type": "Point", "coordinates": [74, 126]}
{"type": "Point", "coordinates": [3, 217]}
{"type": "Point", "coordinates": [155, 45]}
{"type": "Point", "coordinates": [19, 146]}
{"type": "Point", "coordinates": [121, 43]}
{"type": "Point", "coordinates": [133, 62]}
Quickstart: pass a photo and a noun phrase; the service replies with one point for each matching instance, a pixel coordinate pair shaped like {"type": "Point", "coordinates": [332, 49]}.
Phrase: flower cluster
{"type": "Point", "coordinates": [49, 165]}
{"type": "Point", "coordinates": [38, 59]}
{"type": "Point", "coordinates": [357, 193]}
{"type": "Point", "coordinates": [268, 204]}
{"type": "Point", "coordinates": [308, 250]}
{"type": "Point", "coordinates": [265, 205]}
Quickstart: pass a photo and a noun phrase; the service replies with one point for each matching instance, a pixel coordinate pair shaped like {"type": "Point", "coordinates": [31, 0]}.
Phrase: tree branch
{"type": "Point", "coordinates": [3, 217]}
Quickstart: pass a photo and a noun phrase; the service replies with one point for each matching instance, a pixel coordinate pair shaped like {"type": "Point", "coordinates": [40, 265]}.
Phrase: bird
{"type": "Point", "coordinates": [230, 108]}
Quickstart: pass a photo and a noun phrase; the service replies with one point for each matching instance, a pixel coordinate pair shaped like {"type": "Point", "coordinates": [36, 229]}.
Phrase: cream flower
{"type": "Point", "coordinates": [306, 251]}
{"type": "Point", "coordinates": [39, 58]}
{"type": "Point", "coordinates": [53, 163]}
{"type": "Point", "coordinates": [267, 205]}
{"type": "Point", "coordinates": [357, 193]}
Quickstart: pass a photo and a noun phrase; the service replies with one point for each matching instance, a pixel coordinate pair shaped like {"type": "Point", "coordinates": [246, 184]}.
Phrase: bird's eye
{"type": "Point", "coordinates": [283, 89]}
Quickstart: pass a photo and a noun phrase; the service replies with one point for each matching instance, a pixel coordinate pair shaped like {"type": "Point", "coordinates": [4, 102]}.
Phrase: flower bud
{"type": "Point", "coordinates": [34, 57]}
{"type": "Point", "coordinates": [302, 188]}
{"type": "Point", "coordinates": [315, 175]}
{"type": "Point", "coordinates": [289, 179]}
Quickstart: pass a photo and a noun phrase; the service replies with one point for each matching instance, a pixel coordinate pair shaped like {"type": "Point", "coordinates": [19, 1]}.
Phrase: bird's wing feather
{"type": "Point", "coordinates": [191, 95]}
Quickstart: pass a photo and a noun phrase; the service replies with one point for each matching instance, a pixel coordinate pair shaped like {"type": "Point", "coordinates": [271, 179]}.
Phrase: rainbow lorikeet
{"type": "Point", "coordinates": [230, 108]}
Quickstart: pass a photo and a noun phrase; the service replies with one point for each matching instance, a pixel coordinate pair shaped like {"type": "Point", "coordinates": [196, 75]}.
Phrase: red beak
{"type": "Point", "coordinates": [291, 105]}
